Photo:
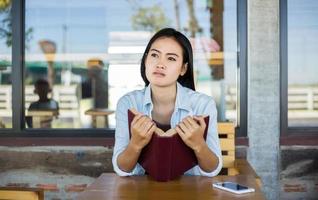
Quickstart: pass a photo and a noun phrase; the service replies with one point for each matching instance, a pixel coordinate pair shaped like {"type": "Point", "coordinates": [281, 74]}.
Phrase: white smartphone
{"type": "Point", "coordinates": [233, 187]}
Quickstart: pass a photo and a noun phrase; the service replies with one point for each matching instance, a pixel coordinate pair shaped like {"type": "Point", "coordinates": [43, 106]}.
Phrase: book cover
{"type": "Point", "coordinates": [166, 156]}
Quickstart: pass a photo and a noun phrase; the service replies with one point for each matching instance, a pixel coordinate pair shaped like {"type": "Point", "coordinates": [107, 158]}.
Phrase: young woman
{"type": "Point", "coordinates": [169, 98]}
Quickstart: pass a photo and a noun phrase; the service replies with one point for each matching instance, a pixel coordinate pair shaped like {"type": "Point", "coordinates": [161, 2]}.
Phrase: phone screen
{"type": "Point", "coordinates": [234, 186]}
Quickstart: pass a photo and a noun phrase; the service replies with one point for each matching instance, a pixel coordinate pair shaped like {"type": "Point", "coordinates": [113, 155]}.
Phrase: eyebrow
{"type": "Point", "coordinates": [173, 54]}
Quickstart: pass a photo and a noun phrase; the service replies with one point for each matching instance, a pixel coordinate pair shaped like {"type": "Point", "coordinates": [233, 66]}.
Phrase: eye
{"type": "Point", "coordinates": [154, 55]}
{"type": "Point", "coordinates": [171, 59]}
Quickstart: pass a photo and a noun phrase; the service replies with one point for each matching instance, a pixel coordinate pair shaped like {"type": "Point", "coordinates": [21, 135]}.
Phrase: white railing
{"type": "Point", "coordinates": [67, 97]}
{"type": "Point", "coordinates": [303, 98]}
{"type": "Point", "coordinates": [300, 100]}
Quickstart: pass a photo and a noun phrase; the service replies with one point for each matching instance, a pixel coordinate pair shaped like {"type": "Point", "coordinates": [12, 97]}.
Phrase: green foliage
{"type": "Point", "coordinates": [149, 19]}
{"type": "Point", "coordinates": [4, 4]}
{"type": "Point", "coordinates": [6, 24]}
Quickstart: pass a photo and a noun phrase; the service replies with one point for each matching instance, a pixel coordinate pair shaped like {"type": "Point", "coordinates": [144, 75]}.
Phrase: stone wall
{"type": "Point", "coordinates": [299, 173]}
{"type": "Point", "coordinates": [64, 171]}
{"type": "Point", "coordinates": [61, 171]}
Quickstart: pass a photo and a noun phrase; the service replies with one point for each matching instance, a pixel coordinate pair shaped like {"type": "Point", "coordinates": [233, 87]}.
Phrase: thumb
{"type": "Point", "coordinates": [135, 112]}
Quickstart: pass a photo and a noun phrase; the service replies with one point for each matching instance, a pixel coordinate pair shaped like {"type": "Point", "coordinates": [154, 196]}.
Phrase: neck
{"type": "Point", "coordinates": [43, 99]}
{"type": "Point", "coordinates": [163, 95]}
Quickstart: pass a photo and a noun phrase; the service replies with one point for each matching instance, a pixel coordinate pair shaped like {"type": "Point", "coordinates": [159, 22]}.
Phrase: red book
{"type": "Point", "coordinates": [166, 156]}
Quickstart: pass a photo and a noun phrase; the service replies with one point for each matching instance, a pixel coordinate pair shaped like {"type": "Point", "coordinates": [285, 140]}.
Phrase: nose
{"type": "Point", "coordinates": [161, 64]}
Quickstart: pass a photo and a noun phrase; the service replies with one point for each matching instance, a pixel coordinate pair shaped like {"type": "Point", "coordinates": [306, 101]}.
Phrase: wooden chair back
{"type": "Point", "coordinates": [226, 132]}
{"type": "Point", "coordinates": [17, 193]}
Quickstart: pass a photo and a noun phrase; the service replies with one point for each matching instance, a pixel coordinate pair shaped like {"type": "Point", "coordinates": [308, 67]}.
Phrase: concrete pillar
{"type": "Point", "coordinates": [263, 93]}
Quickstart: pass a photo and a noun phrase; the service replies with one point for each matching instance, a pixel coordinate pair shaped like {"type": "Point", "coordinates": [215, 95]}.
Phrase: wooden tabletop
{"type": "Point", "coordinates": [42, 113]}
{"type": "Point", "coordinates": [99, 111]}
{"type": "Point", "coordinates": [111, 186]}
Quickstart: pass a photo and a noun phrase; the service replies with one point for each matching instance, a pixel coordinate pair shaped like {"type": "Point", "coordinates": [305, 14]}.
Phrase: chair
{"type": "Point", "coordinates": [227, 141]}
{"type": "Point", "coordinates": [18, 193]}
{"type": "Point", "coordinates": [5, 101]}
{"type": "Point", "coordinates": [232, 165]}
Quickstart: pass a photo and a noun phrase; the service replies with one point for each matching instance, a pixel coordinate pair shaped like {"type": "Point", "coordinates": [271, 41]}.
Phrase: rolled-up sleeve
{"type": "Point", "coordinates": [212, 138]}
{"type": "Point", "coordinates": [122, 137]}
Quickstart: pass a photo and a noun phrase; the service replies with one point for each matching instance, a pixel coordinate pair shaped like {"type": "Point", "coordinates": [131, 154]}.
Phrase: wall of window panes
{"type": "Point", "coordinates": [5, 65]}
{"type": "Point", "coordinates": [302, 63]}
{"type": "Point", "coordinates": [82, 56]}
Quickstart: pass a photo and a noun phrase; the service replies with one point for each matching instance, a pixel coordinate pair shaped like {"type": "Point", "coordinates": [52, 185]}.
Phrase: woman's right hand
{"type": "Point", "coordinates": [142, 128]}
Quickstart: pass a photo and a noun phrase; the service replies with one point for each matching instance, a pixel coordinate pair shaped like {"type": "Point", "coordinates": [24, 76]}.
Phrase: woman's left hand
{"type": "Point", "coordinates": [191, 131]}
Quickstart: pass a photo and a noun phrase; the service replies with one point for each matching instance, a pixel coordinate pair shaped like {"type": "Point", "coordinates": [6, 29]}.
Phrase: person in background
{"type": "Point", "coordinates": [96, 86]}
{"type": "Point", "coordinates": [42, 89]}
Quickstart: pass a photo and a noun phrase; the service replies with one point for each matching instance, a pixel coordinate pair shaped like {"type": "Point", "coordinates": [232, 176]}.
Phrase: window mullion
{"type": "Point", "coordinates": [18, 22]}
{"type": "Point", "coordinates": [283, 67]}
{"type": "Point", "coordinates": [242, 67]}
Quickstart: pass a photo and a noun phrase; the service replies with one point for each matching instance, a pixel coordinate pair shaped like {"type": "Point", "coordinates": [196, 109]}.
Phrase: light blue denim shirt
{"type": "Point", "coordinates": [188, 103]}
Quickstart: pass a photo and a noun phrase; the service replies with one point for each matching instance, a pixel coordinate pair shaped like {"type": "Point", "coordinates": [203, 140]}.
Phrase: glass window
{"type": "Point", "coordinates": [66, 62]}
{"type": "Point", "coordinates": [302, 63]}
{"type": "Point", "coordinates": [5, 65]}
{"type": "Point", "coordinates": [82, 56]}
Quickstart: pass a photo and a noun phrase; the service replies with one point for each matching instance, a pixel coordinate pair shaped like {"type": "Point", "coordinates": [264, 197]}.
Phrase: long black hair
{"type": "Point", "coordinates": [187, 79]}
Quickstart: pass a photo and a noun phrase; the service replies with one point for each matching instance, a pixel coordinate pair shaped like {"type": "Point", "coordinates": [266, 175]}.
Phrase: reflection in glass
{"type": "Point", "coordinates": [5, 65]}
{"type": "Point", "coordinates": [68, 49]}
{"type": "Point", "coordinates": [302, 63]}
{"type": "Point", "coordinates": [90, 52]}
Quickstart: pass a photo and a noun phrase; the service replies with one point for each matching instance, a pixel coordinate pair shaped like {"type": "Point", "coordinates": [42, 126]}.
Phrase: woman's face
{"type": "Point", "coordinates": [164, 62]}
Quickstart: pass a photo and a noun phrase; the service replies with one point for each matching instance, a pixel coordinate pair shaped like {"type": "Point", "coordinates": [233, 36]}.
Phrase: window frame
{"type": "Point", "coordinates": [241, 130]}
{"type": "Point", "coordinates": [290, 135]}
{"type": "Point", "coordinates": [18, 129]}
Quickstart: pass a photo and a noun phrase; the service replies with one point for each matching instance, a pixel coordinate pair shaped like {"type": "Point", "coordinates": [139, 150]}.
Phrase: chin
{"type": "Point", "coordinates": [160, 84]}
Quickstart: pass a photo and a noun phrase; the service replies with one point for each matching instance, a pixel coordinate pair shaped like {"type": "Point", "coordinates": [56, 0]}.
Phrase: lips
{"type": "Point", "coordinates": [159, 74]}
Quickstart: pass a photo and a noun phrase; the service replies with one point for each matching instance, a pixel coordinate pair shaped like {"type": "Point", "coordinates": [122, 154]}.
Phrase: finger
{"type": "Point", "coordinates": [152, 129]}
{"type": "Point", "coordinates": [180, 132]}
{"type": "Point", "coordinates": [148, 126]}
{"type": "Point", "coordinates": [146, 122]}
{"type": "Point", "coordinates": [201, 121]}
{"type": "Point", "coordinates": [141, 121]}
{"type": "Point", "coordinates": [192, 122]}
{"type": "Point", "coordinates": [136, 118]}
{"type": "Point", "coordinates": [183, 128]}
{"type": "Point", "coordinates": [186, 123]}
{"type": "Point", "coordinates": [137, 115]}
{"type": "Point", "coordinates": [135, 112]}
{"type": "Point", "coordinates": [137, 124]}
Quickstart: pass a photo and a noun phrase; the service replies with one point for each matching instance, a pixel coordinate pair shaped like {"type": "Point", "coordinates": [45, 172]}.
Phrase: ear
{"type": "Point", "coordinates": [184, 69]}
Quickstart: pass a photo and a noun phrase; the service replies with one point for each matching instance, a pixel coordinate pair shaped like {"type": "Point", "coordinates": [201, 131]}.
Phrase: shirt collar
{"type": "Point", "coordinates": [182, 99]}
{"type": "Point", "coordinates": [147, 97]}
